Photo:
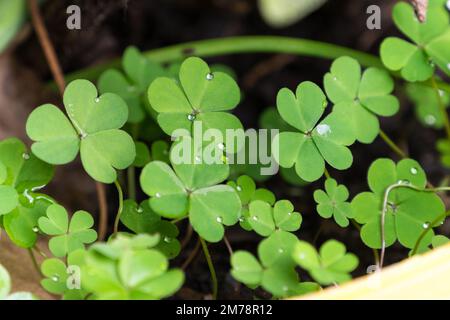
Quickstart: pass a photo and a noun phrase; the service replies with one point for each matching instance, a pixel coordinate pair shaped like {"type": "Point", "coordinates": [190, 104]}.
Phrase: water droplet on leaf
{"type": "Point", "coordinates": [26, 156]}
{"type": "Point", "coordinates": [426, 225]}
{"type": "Point", "coordinates": [191, 117]}
{"type": "Point", "coordinates": [140, 210]}
{"type": "Point", "coordinates": [167, 239]}
{"type": "Point", "coordinates": [255, 218]}
{"type": "Point", "coordinates": [158, 195]}
{"type": "Point", "coordinates": [430, 119]}
{"type": "Point", "coordinates": [55, 278]}
{"type": "Point", "coordinates": [35, 229]}
{"type": "Point", "coordinates": [413, 170]}
{"type": "Point", "coordinates": [209, 76]}
{"type": "Point", "coordinates": [221, 146]}
{"type": "Point", "coordinates": [97, 100]}
{"type": "Point", "coordinates": [323, 129]}
{"type": "Point", "coordinates": [219, 219]}
{"type": "Point", "coordinates": [239, 188]}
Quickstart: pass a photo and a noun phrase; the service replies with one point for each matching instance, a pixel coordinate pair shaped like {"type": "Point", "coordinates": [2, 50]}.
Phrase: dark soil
{"type": "Point", "coordinates": [109, 26]}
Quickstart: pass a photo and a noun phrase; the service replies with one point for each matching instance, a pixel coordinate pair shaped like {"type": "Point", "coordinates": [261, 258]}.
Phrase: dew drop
{"type": "Point", "coordinates": [255, 218]}
{"type": "Point", "coordinates": [55, 278]}
{"type": "Point", "coordinates": [334, 78]}
{"type": "Point", "coordinates": [158, 195]}
{"type": "Point", "coordinates": [441, 93]}
{"type": "Point", "coordinates": [280, 250]}
{"type": "Point", "coordinates": [403, 182]}
{"type": "Point", "coordinates": [241, 219]}
{"type": "Point", "coordinates": [430, 119]}
{"type": "Point", "coordinates": [97, 100]}
{"type": "Point", "coordinates": [209, 76]}
{"type": "Point", "coordinates": [323, 129]}
{"type": "Point", "coordinates": [413, 170]}
{"type": "Point", "coordinates": [219, 219]}
{"type": "Point", "coordinates": [426, 225]}
{"type": "Point", "coordinates": [35, 229]}
{"type": "Point", "coordinates": [167, 239]}
{"type": "Point", "coordinates": [221, 146]}
{"type": "Point", "coordinates": [140, 210]}
{"type": "Point", "coordinates": [198, 159]}
{"type": "Point", "coordinates": [26, 156]}
{"type": "Point", "coordinates": [289, 213]}
{"type": "Point", "coordinates": [448, 4]}
{"type": "Point", "coordinates": [448, 66]}
{"type": "Point", "coordinates": [83, 135]}
{"type": "Point", "coordinates": [191, 117]}
{"type": "Point", "coordinates": [239, 188]}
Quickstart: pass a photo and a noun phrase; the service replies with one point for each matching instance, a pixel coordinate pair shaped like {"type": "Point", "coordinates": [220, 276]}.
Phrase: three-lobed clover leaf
{"type": "Point", "coordinates": [134, 272]}
{"type": "Point", "coordinates": [333, 202]}
{"type": "Point", "coordinates": [92, 129]}
{"type": "Point", "coordinates": [409, 211]}
{"type": "Point", "coordinates": [199, 95]}
{"type": "Point", "coordinates": [132, 86]}
{"type": "Point", "coordinates": [314, 143]}
{"type": "Point", "coordinates": [265, 219]}
{"type": "Point", "coordinates": [247, 191]}
{"type": "Point", "coordinates": [427, 104]}
{"type": "Point", "coordinates": [67, 236]}
{"type": "Point", "coordinates": [328, 266]}
{"type": "Point", "coordinates": [275, 270]}
{"type": "Point", "coordinates": [192, 187]}
{"type": "Point", "coordinates": [21, 176]}
{"type": "Point", "coordinates": [361, 96]}
{"type": "Point", "coordinates": [62, 279]}
{"type": "Point", "coordinates": [142, 219]}
{"type": "Point", "coordinates": [416, 62]}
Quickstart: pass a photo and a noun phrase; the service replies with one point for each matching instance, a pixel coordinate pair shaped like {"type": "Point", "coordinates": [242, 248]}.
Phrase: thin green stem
{"type": "Point", "coordinates": [392, 145]}
{"type": "Point", "coordinates": [120, 209]}
{"type": "Point", "coordinates": [35, 263]}
{"type": "Point", "coordinates": [245, 44]}
{"type": "Point", "coordinates": [441, 106]}
{"type": "Point", "coordinates": [327, 174]}
{"type": "Point", "coordinates": [212, 270]}
{"type": "Point", "coordinates": [425, 231]}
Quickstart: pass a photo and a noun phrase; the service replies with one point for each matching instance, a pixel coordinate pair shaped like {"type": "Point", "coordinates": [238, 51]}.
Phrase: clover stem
{"type": "Point", "coordinates": [392, 145]}
{"type": "Point", "coordinates": [247, 44]}
{"type": "Point", "coordinates": [376, 256]}
{"type": "Point", "coordinates": [33, 259]}
{"type": "Point", "coordinates": [428, 228]}
{"type": "Point", "coordinates": [327, 174]}
{"type": "Point", "coordinates": [400, 184]}
{"type": "Point", "coordinates": [120, 209]}
{"type": "Point", "coordinates": [131, 175]}
{"type": "Point", "coordinates": [228, 245]}
{"type": "Point", "coordinates": [191, 256]}
{"type": "Point", "coordinates": [441, 106]}
{"type": "Point", "coordinates": [212, 270]}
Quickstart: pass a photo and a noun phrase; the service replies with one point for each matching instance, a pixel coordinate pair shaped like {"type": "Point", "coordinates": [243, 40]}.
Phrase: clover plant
{"type": "Point", "coordinates": [120, 135]}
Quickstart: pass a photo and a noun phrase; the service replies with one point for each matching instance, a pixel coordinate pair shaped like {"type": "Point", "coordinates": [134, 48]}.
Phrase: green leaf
{"type": "Point", "coordinates": [12, 15]}
{"type": "Point", "coordinates": [426, 103]}
{"type": "Point", "coordinates": [142, 155]}
{"type": "Point", "coordinates": [9, 199]}
{"type": "Point", "coordinates": [439, 240]}
{"type": "Point", "coordinates": [416, 62]}
{"type": "Point", "coordinates": [285, 217]}
{"type": "Point", "coordinates": [200, 95]}
{"type": "Point", "coordinates": [331, 265]}
{"type": "Point", "coordinates": [360, 96]}
{"type": "Point", "coordinates": [21, 223]}
{"type": "Point", "coordinates": [408, 212]}
{"type": "Point", "coordinates": [261, 218]}
{"type": "Point", "coordinates": [67, 237]}
{"type": "Point", "coordinates": [333, 203]}
{"type": "Point", "coordinates": [5, 282]}
{"type": "Point", "coordinates": [93, 129]}
{"type": "Point", "coordinates": [246, 268]}
{"type": "Point", "coordinates": [142, 219]}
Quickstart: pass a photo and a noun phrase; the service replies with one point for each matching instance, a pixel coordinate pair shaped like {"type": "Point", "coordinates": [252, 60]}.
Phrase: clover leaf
{"type": "Point", "coordinates": [246, 189]}
{"type": "Point", "coordinates": [62, 279]}
{"type": "Point", "coordinates": [192, 188]}
{"type": "Point", "coordinates": [199, 95]}
{"type": "Point", "coordinates": [443, 146]}
{"type": "Point", "coordinates": [416, 62]}
{"type": "Point", "coordinates": [275, 270]}
{"type": "Point", "coordinates": [333, 202]}
{"type": "Point", "coordinates": [328, 266]}
{"type": "Point", "coordinates": [135, 273]}
{"type": "Point", "coordinates": [439, 240]}
{"type": "Point", "coordinates": [142, 219]}
{"type": "Point", "coordinates": [361, 96]}
{"type": "Point", "coordinates": [409, 211]}
{"type": "Point", "coordinates": [313, 144]}
{"type": "Point", "coordinates": [131, 86]}
{"type": "Point", "coordinates": [427, 103]}
{"type": "Point", "coordinates": [92, 129]}
{"type": "Point", "coordinates": [265, 219]}
{"type": "Point", "coordinates": [67, 236]}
